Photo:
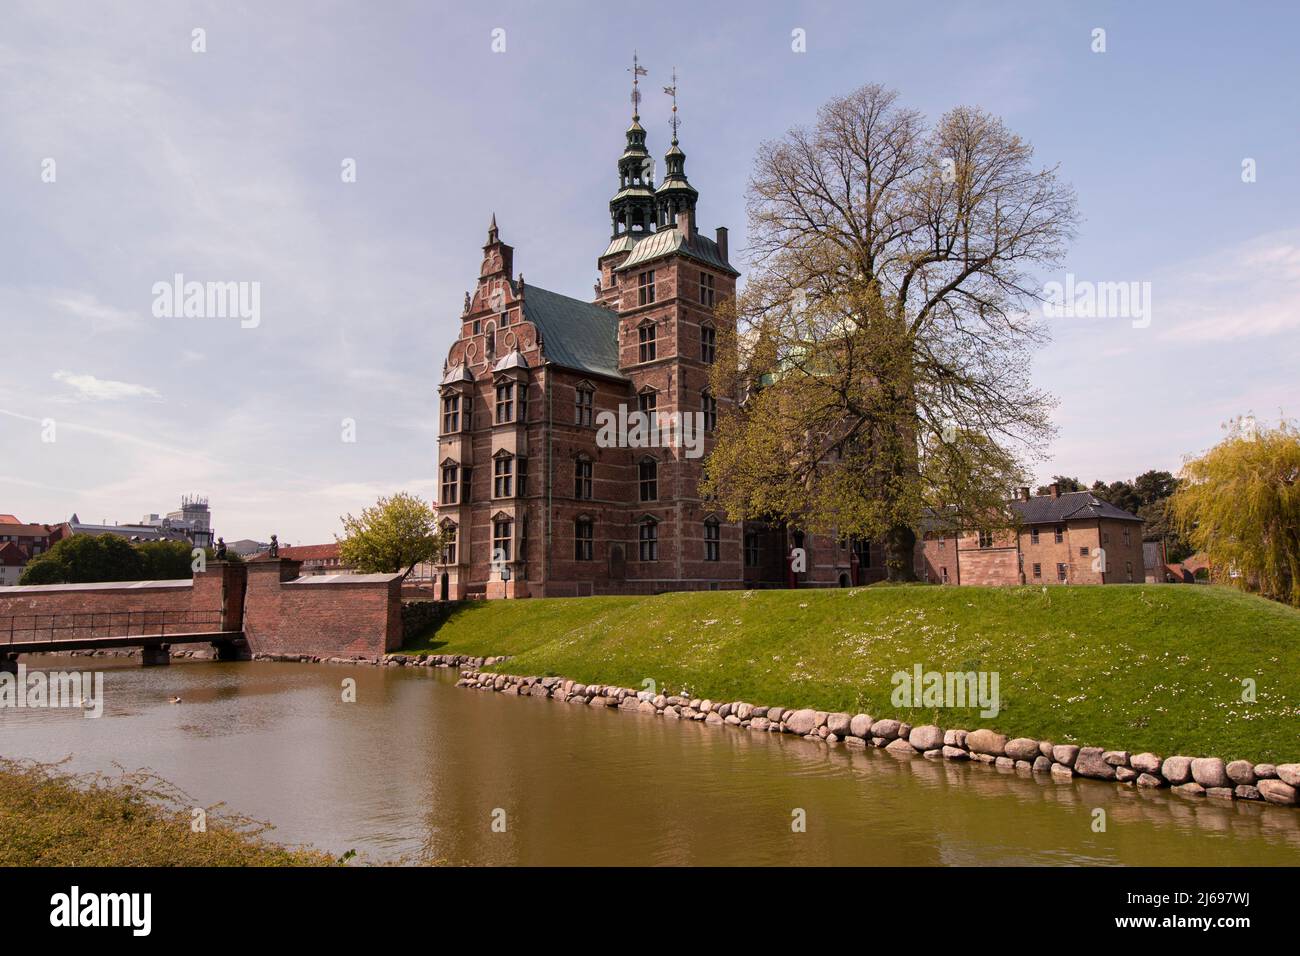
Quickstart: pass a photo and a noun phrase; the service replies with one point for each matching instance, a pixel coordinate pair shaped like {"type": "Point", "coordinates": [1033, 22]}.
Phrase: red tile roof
{"type": "Point", "coordinates": [11, 555]}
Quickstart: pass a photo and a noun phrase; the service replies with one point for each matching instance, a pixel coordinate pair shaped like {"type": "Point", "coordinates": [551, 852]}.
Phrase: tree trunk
{"type": "Point", "coordinates": [900, 548]}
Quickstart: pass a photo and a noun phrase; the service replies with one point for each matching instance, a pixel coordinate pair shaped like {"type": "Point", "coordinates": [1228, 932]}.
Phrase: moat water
{"type": "Point", "coordinates": [419, 770]}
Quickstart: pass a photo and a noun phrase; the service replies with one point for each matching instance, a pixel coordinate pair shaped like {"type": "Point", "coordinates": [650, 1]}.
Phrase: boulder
{"type": "Point", "coordinates": [954, 738]}
{"type": "Point", "coordinates": [1241, 772]}
{"type": "Point", "coordinates": [1042, 764]}
{"type": "Point", "coordinates": [1210, 772]}
{"type": "Point", "coordinates": [1149, 780]}
{"type": "Point", "coordinates": [860, 726]}
{"type": "Point", "coordinates": [1190, 789]}
{"type": "Point", "coordinates": [1065, 754]}
{"type": "Point", "coordinates": [1245, 792]}
{"type": "Point", "coordinates": [1289, 773]}
{"type": "Point", "coordinates": [1125, 774]}
{"type": "Point", "coordinates": [927, 737]}
{"type": "Point", "coordinates": [1022, 748]}
{"type": "Point", "coordinates": [759, 723]}
{"type": "Point", "coordinates": [986, 742]}
{"type": "Point", "coordinates": [1219, 793]}
{"type": "Point", "coordinates": [775, 714]}
{"type": "Point", "coordinates": [1145, 763]}
{"type": "Point", "coordinates": [887, 728]}
{"type": "Point", "coordinates": [1266, 771]}
{"type": "Point", "coordinates": [745, 711]}
{"type": "Point", "coordinates": [801, 722]}
{"type": "Point", "coordinates": [1177, 770]}
{"type": "Point", "coordinates": [647, 707]}
{"type": "Point", "coordinates": [900, 746]}
{"type": "Point", "coordinates": [839, 724]}
{"type": "Point", "coordinates": [1091, 762]}
{"type": "Point", "coordinates": [1004, 763]}
{"type": "Point", "coordinates": [955, 753]}
{"type": "Point", "coordinates": [1024, 765]}
{"type": "Point", "coordinates": [904, 729]}
{"type": "Point", "coordinates": [1062, 771]}
{"type": "Point", "coordinates": [732, 719]}
{"type": "Point", "coordinates": [1116, 758]}
{"type": "Point", "coordinates": [1277, 791]}
{"type": "Point", "coordinates": [1045, 748]}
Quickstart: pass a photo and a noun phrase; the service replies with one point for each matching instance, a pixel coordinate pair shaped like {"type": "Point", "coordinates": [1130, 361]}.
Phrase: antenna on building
{"type": "Point", "coordinates": [672, 91]}
{"type": "Point", "coordinates": [637, 72]}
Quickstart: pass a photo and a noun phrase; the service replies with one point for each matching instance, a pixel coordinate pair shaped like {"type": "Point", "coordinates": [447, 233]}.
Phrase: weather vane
{"type": "Point", "coordinates": [637, 72]}
{"type": "Point", "coordinates": [672, 91]}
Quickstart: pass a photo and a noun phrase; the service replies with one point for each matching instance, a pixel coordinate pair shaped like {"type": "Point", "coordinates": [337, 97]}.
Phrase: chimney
{"type": "Point", "coordinates": [722, 243]}
{"type": "Point", "coordinates": [1055, 489]}
{"type": "Point", "coordinates": [1024, 493]}
{"type": "Point", "coordinates": [684, 224]}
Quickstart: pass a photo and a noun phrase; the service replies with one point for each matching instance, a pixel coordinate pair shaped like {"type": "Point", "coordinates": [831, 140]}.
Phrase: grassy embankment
{"type": "Point", "coordinates": [1156, 667]}
{"type": "Point", "coordinates": [49, 818]}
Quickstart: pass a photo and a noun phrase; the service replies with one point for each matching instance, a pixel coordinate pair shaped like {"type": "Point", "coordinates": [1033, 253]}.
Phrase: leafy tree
{"type": "Point", "coordinates": [393, 535]}
{"type": "Point", "coordinates": [83, 559]}
{"type": "Point", "coordinates": [1064, 483]}
{"type": "Point", "coordinates": [166, 560]}
{"type": "Point", "coordinates": [879, 357]}
{"type": "Point", "coordinates": [1240, 504]}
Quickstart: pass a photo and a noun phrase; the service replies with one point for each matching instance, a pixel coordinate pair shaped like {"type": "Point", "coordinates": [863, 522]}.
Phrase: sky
{"type": "Point", "coordinates": [128, 155]}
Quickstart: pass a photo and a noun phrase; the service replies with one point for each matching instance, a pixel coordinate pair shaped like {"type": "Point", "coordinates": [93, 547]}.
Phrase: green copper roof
{"type": "Point", "coordinates": [575, 334]}
{"type": "Point", "coordinates": [668, 242]}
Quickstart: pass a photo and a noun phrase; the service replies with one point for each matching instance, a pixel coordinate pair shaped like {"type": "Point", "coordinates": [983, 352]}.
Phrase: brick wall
{"type": "Point", "coordinates": [323, 615]}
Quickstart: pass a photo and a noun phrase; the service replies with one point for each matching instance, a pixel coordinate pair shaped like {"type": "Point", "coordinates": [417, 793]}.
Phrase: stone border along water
{"type": "Point", "coordinates": [1277, 784]}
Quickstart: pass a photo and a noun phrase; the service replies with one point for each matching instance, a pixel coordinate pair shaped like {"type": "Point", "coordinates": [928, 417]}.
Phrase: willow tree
{"type": "Point", "coordinates": [1240, 504]}
{"type": "Point", "coordinates": [878, 372]}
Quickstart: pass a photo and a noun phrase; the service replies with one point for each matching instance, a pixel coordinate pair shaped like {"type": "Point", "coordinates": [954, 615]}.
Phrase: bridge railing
{"type": "Point", "coordinates": [81, 625]}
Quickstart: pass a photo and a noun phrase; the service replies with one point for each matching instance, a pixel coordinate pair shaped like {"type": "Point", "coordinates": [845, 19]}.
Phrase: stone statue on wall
{"type": "Point", "coordinates": [275, 547]}
{"type": "Point", "coordinates": [221, 549]}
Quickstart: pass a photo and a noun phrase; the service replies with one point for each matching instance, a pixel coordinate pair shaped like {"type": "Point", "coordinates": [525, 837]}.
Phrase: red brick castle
{"type": "Point", "coordinates": [537, 505]}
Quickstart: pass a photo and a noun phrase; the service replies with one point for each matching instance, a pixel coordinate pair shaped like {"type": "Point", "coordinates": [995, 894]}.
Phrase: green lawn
{"type": "Point", "coordinates": [1140, 667]}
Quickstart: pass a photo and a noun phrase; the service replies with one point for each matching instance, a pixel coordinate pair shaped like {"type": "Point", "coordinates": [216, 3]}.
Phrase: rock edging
{"type": "Point", "coordinates": [1208, 777]}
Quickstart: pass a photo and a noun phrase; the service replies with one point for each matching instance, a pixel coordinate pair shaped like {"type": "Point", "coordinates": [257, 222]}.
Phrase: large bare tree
{"type": "Point", "coordinates": [879, 368]}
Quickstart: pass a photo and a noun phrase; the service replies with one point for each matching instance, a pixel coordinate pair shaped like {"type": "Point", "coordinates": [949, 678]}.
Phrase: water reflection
{"type": "Point", "coordinates": [417, 768]}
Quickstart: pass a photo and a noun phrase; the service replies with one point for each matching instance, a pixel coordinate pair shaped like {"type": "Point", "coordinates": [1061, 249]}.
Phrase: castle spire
{"type": "Point", "coordinates": [675, 195]}
{"type": "Point", "coordinates": [633, 207]}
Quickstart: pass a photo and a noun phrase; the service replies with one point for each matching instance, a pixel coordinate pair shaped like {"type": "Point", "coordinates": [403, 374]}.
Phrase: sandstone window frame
{"type": "Point", "coordinates": [503, 476]}
{"type": "Point", "coordinates": [505, 402]}
{"type": "Point", "coordinates": [712, 539]}
{"type": "Point", "coordinates": [647, 342]}
{"type": "Point", "coordinates": [503, 529]}
{"type": "Point", "coordinates": [584, 538]}
{"type": "Point", "coordinates": [450, 483]}
{"type": "Point", "coordinates": [645, 287]}
{"type": "Point", "coordinates": [453, 539]}
{"type": "Point", "coordinates": [584, 473]}
{"type": "Point", "coordinates": [647, 475]}
{"type": "Point", "coordinates": [648, 539]}
{"type": "Point", "coordinates": [708, 289]}
{"type": "Point", "coordinates": [584, 404]}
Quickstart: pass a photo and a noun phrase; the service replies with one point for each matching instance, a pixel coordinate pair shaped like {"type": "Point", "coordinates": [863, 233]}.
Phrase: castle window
{"type": "Point", "coordinates": [450, 414]}
{"type": "Point", "coordinates": [648, 479]}
{"type": "Point", "coordinates": [645, 283]}
{"type": "Point", "coordinates": [1060, 533]}
{"type": "Point", "coordinates": [465, 475]}
{"type": "Point", "coordinates": [503, 471]}
{"type": "Point", "coordinates": [450, 484]}
{"type": "Point", "coordinates": [584, 399]}
{"type": "Point", "coordinates": [709, 408]}
{"type": "Point", "coordinates": [521, 477]}
{"type": "Point", "coordinates": [583, 538]}
{"type": "Point", "coordinates": [708, 344]}
{"type": "Point", "coordinates": [646, 343]}
{"type": "Point", "coordinates": [649, 541]}
{"type": "Point", "coordinates": [582, 479]}
{"type": "Point", "coordinates": [1128, 569]}
{"type": "Point", "coordinates": [706, 289]}
{"type": "Point", "coordinates": [505, 402]}
{"type": "Point", "coordinates": [1033, 536]}
{"type": "Point", "coordinates": [752, 549]}
{"type": "Point", "coordinates": [449, 549]}
{"type": "Point", "coordinates": [986, 539]}
{"type": "Point", "coordinates": [647, 402]}
{"type": "Point", "coordinates": [1128, 540]}
{"type": "Point", "coordinates": [712, 541]}
{"type": "Point", "coordinates": [502, 530]}
{"type": "Point", "coordinates": [478, 326]}
{"type": "Point", "coordinates": [1038, 570]}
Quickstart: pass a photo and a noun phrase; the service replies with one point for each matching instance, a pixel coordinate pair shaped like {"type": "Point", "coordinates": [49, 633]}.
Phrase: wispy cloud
{"type": "Point", "coordinates": [89, 388]}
